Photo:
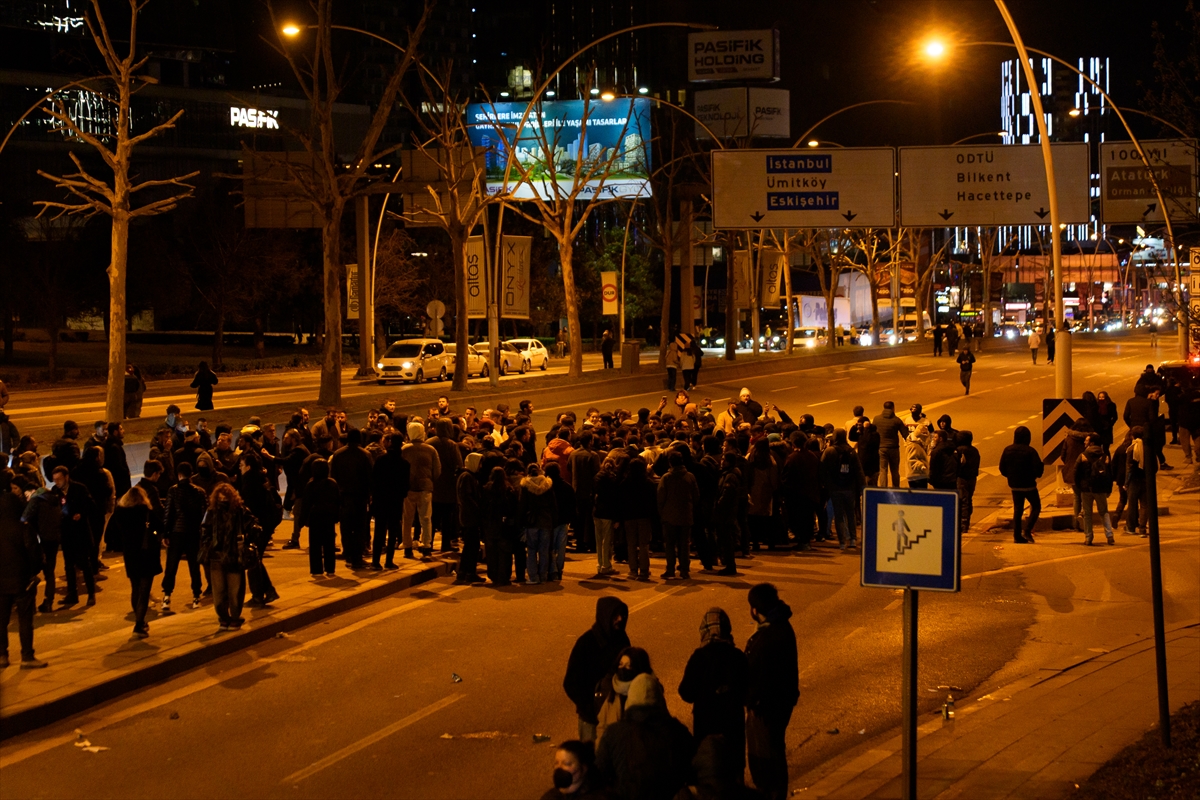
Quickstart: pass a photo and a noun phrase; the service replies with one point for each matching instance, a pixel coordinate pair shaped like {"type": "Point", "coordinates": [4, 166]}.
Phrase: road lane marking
{"type": "Point", "coordinates": [889, 389]}
{"type": "Point", "coordinates": [825, 403]}
{"type": "Point", "coordinates": [1009, 374]}
{"type": "Point", "coordinates": [1097, 375]}
{"type": "Point", "coordinates": [100, 723]}
{"type": "Point", "coordinates": [930, 372]}
{"type": "Point", "coordinates": [835, 380]}
{"type": "Point", "coordinates": [1060, 559]}
{"type": "Point", "coordinates": [367, 741]}
{"type": "Point", "coordinates": [931, 380]}
{"type": "Point", "coordinates": [657, 597]}
{"type": "Point", "coordinates": [785, 388]}
{"type": "Point", "coordinates": [892, 606]}
{"type": "Point", "coordinates": [851, 633]}
{"type": "Point", "coordinates": [884, 371]}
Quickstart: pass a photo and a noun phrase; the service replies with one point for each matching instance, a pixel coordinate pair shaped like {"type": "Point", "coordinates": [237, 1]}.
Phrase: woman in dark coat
{"type": "Point", "coordinates": [138, 530]}
{"type": "Point", "coordinates": [203, 383]}
{"type": "Point", "coordinates": [222, 534]}
{"type": "Point", "coordinates": [263, 502]}
{"type": "Point", "coordinates": [498, 507]}
{"type": "Point", "coordinates": [1106, 413]}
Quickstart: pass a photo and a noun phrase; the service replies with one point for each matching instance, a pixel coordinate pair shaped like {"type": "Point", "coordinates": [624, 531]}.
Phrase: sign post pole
{"type": "Point", "coordinates": [909, 702]}
{"type": "Point", "coordinates": [1156, 590]}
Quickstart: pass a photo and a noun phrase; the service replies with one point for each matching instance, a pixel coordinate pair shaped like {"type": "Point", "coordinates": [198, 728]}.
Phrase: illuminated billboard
{"type": "Point", "coordinates": [604, 144]}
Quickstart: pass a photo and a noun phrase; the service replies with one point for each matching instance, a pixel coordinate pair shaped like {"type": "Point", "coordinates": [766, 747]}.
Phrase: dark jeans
{"type": "Point", "coordinates": [387, 533]}
{"type": "Point", "coordinates": [637, 538]}
{"type": "Point", "coordinates": [706, 549]}
{"type": "Point", "coordinates": [843, 513]}
{"type": "Point", "coordinates": [675, 537]}
{"type": "Point", "coordinates": [49, 565]}
{"type": "Point", "coordinates": [585, 524]}
{"type": "Point", "coordinates": [762, 530]}
{"type": "Point", "coordinates": [889, 464]}
{"type": "Point", "coordinates": [608, 359]}
{"type": "Point", "coordinates": [355, 525]}
{"type": "Point", "coordinates": [81, 560]}
{"type": "Point", "coordinates": [802, 519]}
{"type": "Point", "coordinates": [1020, 496]}
{"type": "Point", "coordinates": [445, 519]}
{"type": "Point", "coordinates": [139, 599]}
{"type": "Point", "coordinates": [690, 376]}
{"type": "Point", "coordinates": [671, 371]}
{"type": "Point", "coordinates": [228, 592]}
{"type": "Point", "coordinates": [321, 552]}
{"type": "Point", "coordinates": [468, 562]}
{"type": "Point", "coordinates": [767, 746]}
{"type": "Point", "coordinates": [966, 505]}
{"type": "Point", "coordinates": [1136, 506]}
{"type": "Point", "coordinates": [24, 603]}
{"type": "Point", "coordinates": [177, 550]}
{"type": "Point", "coordinates": [727, 533]}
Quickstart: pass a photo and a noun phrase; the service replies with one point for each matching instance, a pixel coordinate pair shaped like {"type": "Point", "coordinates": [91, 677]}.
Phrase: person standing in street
{"type": "Point", "coordinates": [470, 509]}
{"type": "Point", "coordinates": [606, 349]}
{"type": "Point", "coordinates": [1035, 341]}
{"type": "Point", "coordinates": [968, 475]}
{"type": "Point", "coordinates": [639, 507]}
{"type": "Point", "coordinates": [1093, 485]}
{"type": "Point", "coordinates": [537, 508]}
{"type": "Point", "coordinates": [891, 430]}
{"type": "Point", "coordinates": [136, 526]}
{"type": "Point", "coordinates": [715, 682]}
{"type": "Point", "coordinates": [966, 364]}
{"type": "Point", "coordinates": [939, 333]}
{"type": "Point", "coordinates": [424, 467]}
{"type": "Point", "coordinates": [678, 496]}
{"type": "Point", "coordinates": [1022, 466]}
{"type": "Point", "coordinates": [595, 655]}
{"type": "Point", "coordinates": [842, 475]}
{"type": "Point", "coordinates": [20, 565]}
{"type": "Point", "coordinates": [350, 467]}
{"type": "Point", "coordinates": [647, 754]}
{"type": "Point", "coordinates": [226, 526]}
{"type": "Point", "coordinates": [389, 488]}
{"type": "Point", "coordinates": [773, 689]}
{"type": "Point", "coordinates": [444, 498]}
{"type": "Point", "coordinates": [184, 512]}
{"type": "Point", "coordinates": [203, 382]}
{"type": "Point", "coordinates": [44, 515]}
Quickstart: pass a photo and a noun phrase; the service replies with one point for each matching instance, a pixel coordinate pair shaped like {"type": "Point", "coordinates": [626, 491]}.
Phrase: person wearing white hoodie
{"type": "Point", "coordinates": [916, 456]}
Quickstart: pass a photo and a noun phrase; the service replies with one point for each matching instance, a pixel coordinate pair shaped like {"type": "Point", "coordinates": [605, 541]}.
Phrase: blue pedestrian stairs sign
{"type": "Point", "coordinates": [910, 539]}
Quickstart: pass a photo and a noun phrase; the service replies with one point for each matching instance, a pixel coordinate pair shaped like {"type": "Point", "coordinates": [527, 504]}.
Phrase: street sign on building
{"type": "Point", "coordinates": [991, 185]}
{"type": "Point", "coordinates": [851, 187]}
{"type": "Point", "coordinates": [910, 539]}
{"type": "Point", "coordinates": [733, 56]}
{"type": "Point", "coordinates": [742, 111]}
{"type": "Point", "coordinates": [1126, 191]}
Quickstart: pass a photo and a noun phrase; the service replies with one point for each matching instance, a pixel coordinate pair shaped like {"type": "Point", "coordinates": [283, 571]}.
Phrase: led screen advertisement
{"type": "Point", "coordinates": [605, 143]}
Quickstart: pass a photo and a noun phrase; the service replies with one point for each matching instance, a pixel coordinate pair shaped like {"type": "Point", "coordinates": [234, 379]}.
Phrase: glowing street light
{"type": "Point", "coordinates": [935, 48]}
{"type": "Point", "coordinates": [813, 143]}
{"type": "Point", "coordinates": [290, 29]}
{"type": "Point", "coordinates": [607, 96]}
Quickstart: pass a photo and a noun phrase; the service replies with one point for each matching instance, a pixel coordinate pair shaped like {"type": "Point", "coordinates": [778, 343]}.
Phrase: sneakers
{"type": "Point", "coordinates": [375, 567]}
{"type": "Point", "coordinates": [165, 608]}
{"type": "Point", "coordinates": [46, 607]}
{"type": "Point", "coordinates": [408, 553]}
{"type": "Point", "coordinates": [290, 546]}
{"type": "Point", "coordinates": [33, 663]}
{"type": "Point", "coordinates": [391, 565]}
{"type": "Point", "coordinates": [196, 601]}
{"type": "Point", "coordinates": [91, 601]}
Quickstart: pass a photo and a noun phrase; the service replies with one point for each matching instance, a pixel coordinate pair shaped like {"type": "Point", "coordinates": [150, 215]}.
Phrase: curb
{"type": "Point", "coordinates": [62, 707]}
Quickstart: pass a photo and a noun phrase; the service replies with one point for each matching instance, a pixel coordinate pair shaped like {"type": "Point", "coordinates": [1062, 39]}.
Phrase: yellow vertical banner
{"type": "Point", "coordinates": [608, 293]}
{"type": "Point", "coordinates": [476, 279]}
{"type": "Point", "coordinates": [352, 291]}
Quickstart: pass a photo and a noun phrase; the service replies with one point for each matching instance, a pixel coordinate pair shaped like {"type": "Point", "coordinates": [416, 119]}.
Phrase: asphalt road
{"type": "Point", "coordinates": [366, 705]}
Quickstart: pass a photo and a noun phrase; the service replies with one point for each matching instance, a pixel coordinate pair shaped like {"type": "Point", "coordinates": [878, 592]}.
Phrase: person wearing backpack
{"type": "Point", "coordinates": [1093, 484]}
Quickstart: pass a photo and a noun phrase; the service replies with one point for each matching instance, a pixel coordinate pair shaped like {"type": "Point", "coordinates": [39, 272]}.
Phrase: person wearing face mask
{"type": "Point", "coordinates": [574, 772]}
{"type": "Point", "coordinates": [595, 653]}
{"type": "Point", "coordinates": [774, 689]}
{"type": "Point", "coordinates": [613, 689]}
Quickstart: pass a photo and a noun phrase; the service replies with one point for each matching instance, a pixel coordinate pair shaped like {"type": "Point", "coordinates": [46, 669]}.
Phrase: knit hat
{"type": "Point", "coordinates": [416, 432]}
{"type": "Point", "coordinates": [716, 626]}
{"type": "Point", "coordinates": [645, 690]}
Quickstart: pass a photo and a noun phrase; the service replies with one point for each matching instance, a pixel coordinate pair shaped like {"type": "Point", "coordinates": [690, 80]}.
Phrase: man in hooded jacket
{"type": "Point", "coordinates": [647, 754]}
{"type": "Point", "coordinates": [774, 689]}
{"type": "Point", "coordinates": [594, 656]}
{"type": "Point", "coordinates": [715, 682]}
{"type": "Point", "coordinates": [1022, 466]}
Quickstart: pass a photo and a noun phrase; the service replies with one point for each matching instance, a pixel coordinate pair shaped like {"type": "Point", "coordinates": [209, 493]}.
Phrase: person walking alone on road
{"type": "Point", "coordinates": [1022, 466]}
{"type": "Point", "coordinates": [203, 383]}
{"type": "Point", "coordinates": [1035, 341]}
{"type": "Point", "coordinates": [1050, 345]}
{"type": "Point", "coordinates": [595, 655]}
{"type": "Point", "coordinates": [939, 333]}
{"type": "Point", "coordinates": [966, 364]}
{"type": "Point", "coordinates": [773, 689]}
{"type": "Point", "coordinates": [673, 362]}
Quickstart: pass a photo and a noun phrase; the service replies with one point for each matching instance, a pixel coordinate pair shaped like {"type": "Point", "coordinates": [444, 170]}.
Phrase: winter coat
{"type": "Point", "coordinates": [773, 663]}
{"type": "Point", "coordinates": [99, 484]}
{"type": "Point", "coordinates": [564, 503]}
{"type": "Point", "coordinates": [647, 755]}
{"type": "Point", "coordinates": [184, 513]}
{"type": "Point", "coordinates": [801, 476]}
{"type": "Point", "coordinates": [469, 498]}
{"type": "Point", "coordinates": [389, 484]}
{"type": "Point", "coordinates": [610, 703]}
{"type": "Point", "coordinates": [730, 496]}
{"type": "Point", "coordinates": [140, 540]}
{"type": "Point", "coordinates": [915, 453]}
{"type": "Point", "coordinates": [536, 506]}
{"type": "Point", "coordinates": [607, 496]}
{"type": "Point", "coordinates": [1106, 418]}
{"type": "Point", "coordinates": [943, 467]}
{"type": "Point", "coordinates": [841, 470]}
{"type": "Point", "coordinates": [582, 466]}
{"type": "Point", "coordinates": [222, 534]}
{"type": "Point", "coordinates": [678, 496]}
{"type": "Point", "coordinates": [868, 451]}
{"type": "Point", "coordinates": [20, 555]}
{"type": "Point", "coordinates": [425, 466]}
{"type": "Point", "coordinates": [707, 472]}
{"type": "Point", "coordinates": [321, 504]}
{"type": "Point", "coordinates": [638, 499]}
{"type": "Point", "coordinates": [715, 681]}
{"type": "Point", "coordinates": [891, 430]}
{"type": "Point", "coordinates": [262, 500]}
{"type": "Point", "coordinates": [203, 383]}
{"type": "Point", "coordinates": [352, 468]}
{"type": "Point", "coordinates": [78, 538]}
{"type": "Point", "coordinates": [1022, 465]}
{"type": "Point", "coordinates": [451, 460]}
{"type": "Point", "coordinates": [594, 656]}
{"type": "Point", "coordinates": [968, 461]}
{"type": "Point", "coordinates": [44, 514]}
{"type": "Point", "coordinates": [559, 452]}
{"type": "Point", "coordinates": [1093, 472]}
{"type": "Point", "coordinates": [764, 482]}
{"type": "Point", "coordinates": [1073, 448]}
{"type": "Point", "coordinates": [117, 465]}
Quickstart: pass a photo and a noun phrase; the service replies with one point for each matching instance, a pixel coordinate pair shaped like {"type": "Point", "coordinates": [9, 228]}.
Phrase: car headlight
{"type": "Point", "coordinates": [865, 339]}
{"type": "Point", "coordinates": [720, 342]}
{"type": "Point", "coordinates": [810, 343]}
{"type": "Point", "coordinates": [406, 365]}
{"type": "Point", "coordinates": [1009, 335]}
{"type": "Point", "coordinates": [379, 365]}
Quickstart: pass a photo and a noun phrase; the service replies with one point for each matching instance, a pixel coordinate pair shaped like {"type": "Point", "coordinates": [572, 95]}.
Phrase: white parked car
{"type": "Point", "coordinates": [477, 363]}
{"type": "Point", "coordinates": [414, 360]}
{"type": "Point", "coordinates": [535, 353]}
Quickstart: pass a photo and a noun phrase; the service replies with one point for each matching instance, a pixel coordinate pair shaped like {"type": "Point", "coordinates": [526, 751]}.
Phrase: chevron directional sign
{"type": "Point", "coordinates": [910, 539]}
{"type": "Point", "coordinates": [1057, 418]}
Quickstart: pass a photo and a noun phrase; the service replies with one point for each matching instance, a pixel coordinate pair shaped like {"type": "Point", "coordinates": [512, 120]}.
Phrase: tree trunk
{"type": "Point", "coordinates": [571, 298]}
{"type": "Point", "coordinates": [458, 256]}
{"type": "Point", "coordinates": [218, 351]}
{"type": "Point", "coordinates": [331, 362]}
{"type": "Point", "coordinates": [830, 311]}
{"type": "Point", "coordinates": [114, 400]}
{"type": "Point", "coordinates": [380, 336]}
{"type": "Point", "coordinates": [874, 310]}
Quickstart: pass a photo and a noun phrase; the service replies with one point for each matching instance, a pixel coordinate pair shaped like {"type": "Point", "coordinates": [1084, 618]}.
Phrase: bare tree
{"type": "Point", "coordinates": [565, 191]}
{"type": "Point", "coordinates": [875, 250]}
{"type": "Point", "coordinates": [322, 178]}
{"type": "Point", "coordinates": [116, 198]}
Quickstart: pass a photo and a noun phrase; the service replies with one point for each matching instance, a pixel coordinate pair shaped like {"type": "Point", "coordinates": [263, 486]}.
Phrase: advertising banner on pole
{"type": "Point", "coordinates": [883, 282]}
{"type": "Point", "coordinates": [608, 293]}
{"type": "Point", "coordinates": [514, 277]}
{"type": "Point", "coordinates": [770, 287]}
{"type": "Point", "coordinates": [476, 279]}
{"type": "Point", "coordinates": [996, 289]}
{"type": "Point", "coordinates": [733, 56]}
{"type": "Point", "coordinates": [741, 279]}
{"type": "Point", "coordinates": [352, 291]}
{"type": "Point", "coordinates": [606, 143]}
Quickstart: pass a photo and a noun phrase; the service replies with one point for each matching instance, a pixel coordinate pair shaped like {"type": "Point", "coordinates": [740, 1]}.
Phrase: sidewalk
{"type": "Point", "coordinates": [94, 658]}
{"type": "Point", "coordinates": [1035, 738]}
